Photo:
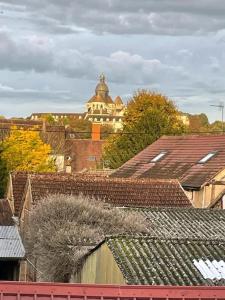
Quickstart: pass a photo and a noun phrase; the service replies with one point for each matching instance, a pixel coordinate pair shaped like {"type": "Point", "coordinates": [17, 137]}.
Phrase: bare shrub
{"type": "Point", "coordinates": [62, 229]}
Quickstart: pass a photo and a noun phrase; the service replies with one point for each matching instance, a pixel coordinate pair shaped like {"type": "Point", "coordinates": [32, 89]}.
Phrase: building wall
{"type": "Point", "coordinates": [100, 268]}
{"type": "Point", "coordinates": [27, 271]}
{"type": "Point", "coordinates": [9, 194]}
{"type": "Point", "coordinates": [24, 217]}
{"type": "Point", "coordinates": [185, 120]}
{"type": "Point", "coordinates": [207, 194]}
{"type": "Point", "coordinates": [84, 154]}
{"type": "Point", "coordinates": [23, 270]}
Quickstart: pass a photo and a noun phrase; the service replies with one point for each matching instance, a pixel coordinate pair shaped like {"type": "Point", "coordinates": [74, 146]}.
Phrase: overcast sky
{"type": "Point", "coordinates": [52, 52]}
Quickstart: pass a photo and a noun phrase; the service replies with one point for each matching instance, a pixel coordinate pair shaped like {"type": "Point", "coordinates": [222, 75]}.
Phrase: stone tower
{"type": "Point", "coordinates": [101, 108]}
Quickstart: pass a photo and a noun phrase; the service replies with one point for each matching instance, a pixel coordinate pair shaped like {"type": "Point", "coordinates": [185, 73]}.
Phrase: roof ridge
{"type": "Point", "coordinates": [184, 135]}
{"type": "Point", "coordinates": [83, 176]}
{"type": "Point", "coordinates": [162, 239]}
{"type": "Point", "coordinates": [177, 208]}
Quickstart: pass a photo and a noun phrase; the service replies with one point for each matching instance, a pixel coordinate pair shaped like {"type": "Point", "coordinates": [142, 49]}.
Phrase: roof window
{"type": "Point", "coordinates": [211, 269]}
{"type": "Point", "coordinates": [207, 157]}
{"type": "Point", "coordinates": [159, 156]}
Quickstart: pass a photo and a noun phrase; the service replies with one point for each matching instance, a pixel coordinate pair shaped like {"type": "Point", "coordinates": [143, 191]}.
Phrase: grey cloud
{"type": "Point", "coordinates": [204, 7]}
{"type": "Point", "coordinates": [25, 55]}
{"type": "Point", "coordinates": [65, 44]}
{"type": "Point", "coordinates": [26, 94]}
{"type": "Point", "coordinates": [169, 17]}
{"type": "Point", "coordinates": [121, 67]}
{"type": "Point", "coordinates": [37, 54]}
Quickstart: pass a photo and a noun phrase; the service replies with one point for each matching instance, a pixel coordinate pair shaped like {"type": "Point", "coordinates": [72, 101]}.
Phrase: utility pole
{"type": "Point", "coordinates": [221, 106]}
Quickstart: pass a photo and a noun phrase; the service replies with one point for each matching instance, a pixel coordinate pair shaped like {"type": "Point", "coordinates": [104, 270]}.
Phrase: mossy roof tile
{"type": "Point", "coordinates": [150, 260]}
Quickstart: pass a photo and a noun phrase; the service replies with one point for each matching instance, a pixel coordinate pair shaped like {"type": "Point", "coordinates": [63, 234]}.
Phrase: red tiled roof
{"type": "Point", "coordinates": [70, 115]}
{"type": "Point", "coordinates": [99, 98]}
{"type": "Point", "coordinates": [19, 180]}
{"type": "Point", "coordinates": [118, 192]}
{"type": "Point", "coordinates": [5, 213]}
{"type": "Point", "coordinates": [27, 123]}
{"type": "Point", "coordinates": [180, 161]}
{"type": "Point", "coordinates": [96, 173]}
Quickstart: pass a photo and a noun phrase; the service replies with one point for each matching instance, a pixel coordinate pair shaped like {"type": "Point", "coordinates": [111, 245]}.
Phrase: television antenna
{"type": "Point", "coordinates": [220, 106]}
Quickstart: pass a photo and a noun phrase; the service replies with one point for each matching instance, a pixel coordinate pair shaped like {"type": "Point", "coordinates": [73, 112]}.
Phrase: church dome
{"type": "Point", "coordinates": [101, 92]}
{"type": "Point", "coordinates": [101, 86]}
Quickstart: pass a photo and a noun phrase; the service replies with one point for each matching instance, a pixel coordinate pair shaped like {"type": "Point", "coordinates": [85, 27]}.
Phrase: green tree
{"type": "Point", "coordinates": [81, 127]}
{"type": "Point", "coordinates": [149, 115]}
{"type": "Point", "coordinates": [198, 123]}
{"type": "Point", "coordinates": [217, 126]}
{"type": "Point", "coordinates": [106, 131]}
{"type": "Point", "coordinates": [49, 119]}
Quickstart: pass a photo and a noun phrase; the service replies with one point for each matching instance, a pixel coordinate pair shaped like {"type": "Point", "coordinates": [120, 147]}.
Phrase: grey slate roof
{"type": "Point", "coordinates": [10, 243]}
{"type": "Point", "coordinates": [157, 261]}
{"type": "Point", "coordinates": [189, 223]}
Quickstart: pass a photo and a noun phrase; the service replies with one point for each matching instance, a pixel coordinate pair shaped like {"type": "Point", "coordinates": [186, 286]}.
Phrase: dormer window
{"type": "Point", "coordinates": [207, 157]}
{"type": "Point", "coordinates": [159, 156]}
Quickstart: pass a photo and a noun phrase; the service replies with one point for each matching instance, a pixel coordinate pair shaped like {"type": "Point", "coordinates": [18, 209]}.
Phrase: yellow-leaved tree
{"type": "Point", "coordinates": [23, 150]}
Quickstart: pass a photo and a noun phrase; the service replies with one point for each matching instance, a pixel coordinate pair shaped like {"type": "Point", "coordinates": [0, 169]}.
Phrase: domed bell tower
{"type": "Point", "coordinates": [102, 89]}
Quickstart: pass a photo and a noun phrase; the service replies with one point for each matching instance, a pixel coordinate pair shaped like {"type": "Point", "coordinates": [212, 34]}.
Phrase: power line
{"type": "Point", "coordinates": [108, 133]}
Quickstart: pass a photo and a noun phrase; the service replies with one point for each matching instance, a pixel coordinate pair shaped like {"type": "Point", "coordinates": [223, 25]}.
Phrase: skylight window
{"type": "Point", "coordinates": [159, 156]}
{"type": "Point", "coordinates": [207, 157]}
{"type": "Point", "coordinates": [211, 269]}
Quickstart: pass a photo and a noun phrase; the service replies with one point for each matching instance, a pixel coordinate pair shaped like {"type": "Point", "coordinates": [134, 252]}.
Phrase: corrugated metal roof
{"type": "Point", "coordinates": [157, 261]}
{"type": "Point", "coordinates": [177, 239]}
{"type": "Point", "coordinates": [10, 243]}
{"type": "Point", "coordinates": [185, 222]}
{"type": "Point", "coordinates": [12, 290]}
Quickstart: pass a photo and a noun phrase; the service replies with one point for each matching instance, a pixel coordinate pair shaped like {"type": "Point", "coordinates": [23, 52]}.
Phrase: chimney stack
{"type": "Point", "coordinates": [96, 132]}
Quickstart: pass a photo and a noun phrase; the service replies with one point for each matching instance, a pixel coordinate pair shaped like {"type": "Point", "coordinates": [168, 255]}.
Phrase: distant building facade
{"type": "Point", "coordinates": [100, 108]}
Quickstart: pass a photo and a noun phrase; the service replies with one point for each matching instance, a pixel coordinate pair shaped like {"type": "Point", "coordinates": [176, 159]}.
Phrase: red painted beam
{"type": "Point", "coordinates": [56, 291]}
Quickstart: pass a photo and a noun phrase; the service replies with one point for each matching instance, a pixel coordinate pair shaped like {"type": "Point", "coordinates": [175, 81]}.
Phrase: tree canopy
{"type": "Point", "coordinates": [149, 115]}
{"type": "Point", "coordinates": [62, 229]}
{"type": "Point", "coordinates": [198, 123]}
{"type": "Point", "coordinates": [23, 150]}
{"type": "Point", "coordinates": [81, 126]}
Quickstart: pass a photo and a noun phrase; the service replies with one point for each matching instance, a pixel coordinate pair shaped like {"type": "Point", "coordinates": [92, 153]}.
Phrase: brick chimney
{"type": "Point", "coordinates": [96, 132]}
